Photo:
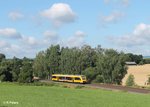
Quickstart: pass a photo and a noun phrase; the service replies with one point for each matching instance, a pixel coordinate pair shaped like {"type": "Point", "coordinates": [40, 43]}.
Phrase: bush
{"type": "Point", "coordinates": [130, 80]}
{"type": "Point", "coordinates": [147, 61]}
{"type": "Point", "coordinates": [90, 73]}
{"type": "Point", "coordinates": [99, 79]}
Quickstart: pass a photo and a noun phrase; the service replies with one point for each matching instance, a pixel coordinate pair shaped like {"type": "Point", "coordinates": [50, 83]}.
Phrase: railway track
{"type": "Point", "coordinates": [107, 87]}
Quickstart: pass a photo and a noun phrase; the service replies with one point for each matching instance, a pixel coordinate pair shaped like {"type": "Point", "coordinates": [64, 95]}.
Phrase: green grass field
{"type": "Point", "coordinates": [13, 95]}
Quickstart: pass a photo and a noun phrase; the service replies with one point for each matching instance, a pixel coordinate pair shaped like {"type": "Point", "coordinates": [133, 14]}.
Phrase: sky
{"type": "Point", "coordinates": [30, 26]}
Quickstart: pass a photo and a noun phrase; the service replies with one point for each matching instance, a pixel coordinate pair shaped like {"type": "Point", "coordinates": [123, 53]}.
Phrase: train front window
{"type": "Point", "coordinates": [83, 78]}
{"type": "Point", "coordinates": [77, 78]}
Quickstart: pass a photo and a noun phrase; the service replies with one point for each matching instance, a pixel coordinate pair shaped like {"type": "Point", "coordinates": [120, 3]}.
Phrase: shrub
{"type": "Point", "coordinates": [99, 79]}
{"type": "Point", "coordinates": [130, 80]}
{"type": "Point", "coordinates": [90, 73]}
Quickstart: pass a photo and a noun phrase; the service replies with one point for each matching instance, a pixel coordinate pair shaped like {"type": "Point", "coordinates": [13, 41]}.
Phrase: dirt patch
{"type": "Point", "coordinates": [121, 88]}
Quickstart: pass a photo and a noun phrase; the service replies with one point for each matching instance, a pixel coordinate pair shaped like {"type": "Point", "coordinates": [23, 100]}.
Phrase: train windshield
{"type": "Point", "coordinates": [83, 78]}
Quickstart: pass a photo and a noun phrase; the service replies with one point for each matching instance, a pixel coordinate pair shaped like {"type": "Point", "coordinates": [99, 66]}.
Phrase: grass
{"type": "Point", "coordinates": [56, 96]}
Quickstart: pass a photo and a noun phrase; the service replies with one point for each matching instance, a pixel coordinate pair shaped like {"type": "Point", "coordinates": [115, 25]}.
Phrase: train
{"type": "Point", "coordinates": [69, 78]}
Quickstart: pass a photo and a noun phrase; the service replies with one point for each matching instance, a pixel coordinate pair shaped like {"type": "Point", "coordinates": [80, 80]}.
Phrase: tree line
{"type": "Point", "coordinates": [98, 64]}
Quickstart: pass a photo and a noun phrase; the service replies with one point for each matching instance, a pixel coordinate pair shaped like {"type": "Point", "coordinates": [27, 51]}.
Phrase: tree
{"type": "Point", "coordinates": [130, 80]}
{"type": "Point", "coordinates": [26, 73]}
{"type": "Point", "coordinates": [17, 64]}
{"type": "Point", "coordinates": [52, 59]}
{"type": "Point", "coordinates": [90, 73]}
{"type": "Point", "coordinates": [6, 70]}
{"type": "Point", "coordinates": [40, 68]}
{"type": "Point", "coordinates": [135, 58]}
{"type": "Point", "coordinates": [2, 56]}
{"type": "Point", "coordinates": [88, 56]}
{"type": "Point", "coordinates": [111, 66]}
{"type": "Point", "coordinates": [69, 61]}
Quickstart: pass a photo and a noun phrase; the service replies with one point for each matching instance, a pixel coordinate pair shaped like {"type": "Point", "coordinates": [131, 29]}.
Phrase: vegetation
{"type": "Point", "coordinates": [130, 80]}
{"type": "Point", "coordinates": [16, 70]}
{"type": "Point", "coordinates": [147, 60]}
{"type": "Point", "coordinates": [136, 58]}
{"type": "Point", "coordinates": [98, 64]}
{"type": "Point", "coordinates": [52, 96]}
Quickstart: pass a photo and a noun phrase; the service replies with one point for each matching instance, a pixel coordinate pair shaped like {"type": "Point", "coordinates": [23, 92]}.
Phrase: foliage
{"type": "Point", "coordinates": [130, 80]}
{"type": "Point", "coordinates": [90, 73]}
{"type": "Point", "coordinates": [52, 55]}
{"type": "Point", "coordinates": [111, 66]}
{"type": "Point", "coordinates": [135, 58]}
{"type": "Point", "coordinates": [17, 64]}
{"type": "Point", "coordinates": [99, 79]}
{"type": "Point", "coordinates": [147, 60]}
{"type": "Point", "coordinates": [40, 65]}
{"type": "Point", "coordinates": [26, 73]}
{"type": "Point", "coordinates": [98, 64]}
{"type": "Point", "coordinates": [2, 56]}
{"type": "Point", "coordinates": [5, 70]}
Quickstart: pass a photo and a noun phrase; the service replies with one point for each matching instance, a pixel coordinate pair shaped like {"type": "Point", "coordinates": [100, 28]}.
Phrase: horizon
{"type": "Point", "coordinates": [28, 27]}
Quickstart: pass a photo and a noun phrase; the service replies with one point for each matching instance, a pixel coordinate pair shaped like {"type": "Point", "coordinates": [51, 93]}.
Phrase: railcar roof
{"type": "Point", "coordinates": [66, 75]}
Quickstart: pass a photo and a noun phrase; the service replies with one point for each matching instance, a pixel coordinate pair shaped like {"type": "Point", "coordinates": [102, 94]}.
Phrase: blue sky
{"type": "Point", "coordinates": [29, 26]}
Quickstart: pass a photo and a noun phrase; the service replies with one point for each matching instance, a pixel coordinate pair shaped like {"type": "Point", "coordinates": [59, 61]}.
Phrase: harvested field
{"type": "Point", "coordinates": [140, 73]}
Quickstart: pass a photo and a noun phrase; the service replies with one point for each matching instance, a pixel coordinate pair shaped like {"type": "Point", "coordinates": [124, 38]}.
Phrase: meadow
{"type": "Point", "coordinates": [13, 95]}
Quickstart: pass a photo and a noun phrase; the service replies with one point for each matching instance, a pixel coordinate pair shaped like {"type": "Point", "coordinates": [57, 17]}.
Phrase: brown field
{"type": "Point", "coordinates": [140, 73]}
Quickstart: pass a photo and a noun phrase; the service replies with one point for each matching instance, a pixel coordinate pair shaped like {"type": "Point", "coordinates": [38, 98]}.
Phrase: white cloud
{"type": "Point", "coordinates": [106, 1]}
{"type": "Point", "coordinates": [4, 44]}
{"type": "Point", "coordinates": [136, 41]}
{"type": "Point", "coordinates": [112, 18]}
{"type": "Point", "coordinates": [29, 40]}
{"type": "Point", "coordinates": [59, 13]}
{"type": "Point", "coordinates": [80, 34]}
{"type": "Point", "coordinates": [30, 45]}
{"type": "Point", "coordinates": [77, 40]}
{"type": "Point", "coordinates": [15, 15]}
{"type": "Point", "coordinates": [50, 35]}
{"type": "Point", "coordinates": [125, 2]}
{"type": "Point", "coordinates": [140, 36]}
{"type": "Point", "coordinates": [120, 2]}
{"type": "Point", "coordinates": [10, 33]}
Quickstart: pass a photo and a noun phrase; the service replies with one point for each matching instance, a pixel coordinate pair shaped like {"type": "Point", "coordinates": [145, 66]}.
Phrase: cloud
{"type": "Point", "coordinates": [106, 1]}
{"type": "Point", "coordinates": [139, 36]}
{"type": "Point", "coordinates": [59, 14]}
{"type": "Point", "coordinates": [4, 44]}
{"type": "Point", "coordinates": [50, 35]}
{"type": "Point", "coordinates": [114, 17]}
{"type": "Point", "coordinates": [120, 2]}
{"type": "Point", "coordinates": [10, 33]}
{"type": "Point", "coordinates": [77, 40]}
{"type": "Point", "coordinates": [30, 41]}
{"type": "Point", "coordinates": [125, 2]}
{"type": "Point", "coordinates": [136, 41]}
{"type": "Point", "coordinates": [15, 15]}
{"type": "Point", "coordinates": [30, 45]}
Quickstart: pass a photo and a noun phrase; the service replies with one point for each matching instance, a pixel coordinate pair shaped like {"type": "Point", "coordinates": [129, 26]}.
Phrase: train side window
{"type": "Point", "coordinates": [77, 78]}
{"type": "Point", "coordinates": [68, 78]}
{"type": "Point", "coordinates": [62, 78]}
{"type": "Point", "coordinates": [53, 76]}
